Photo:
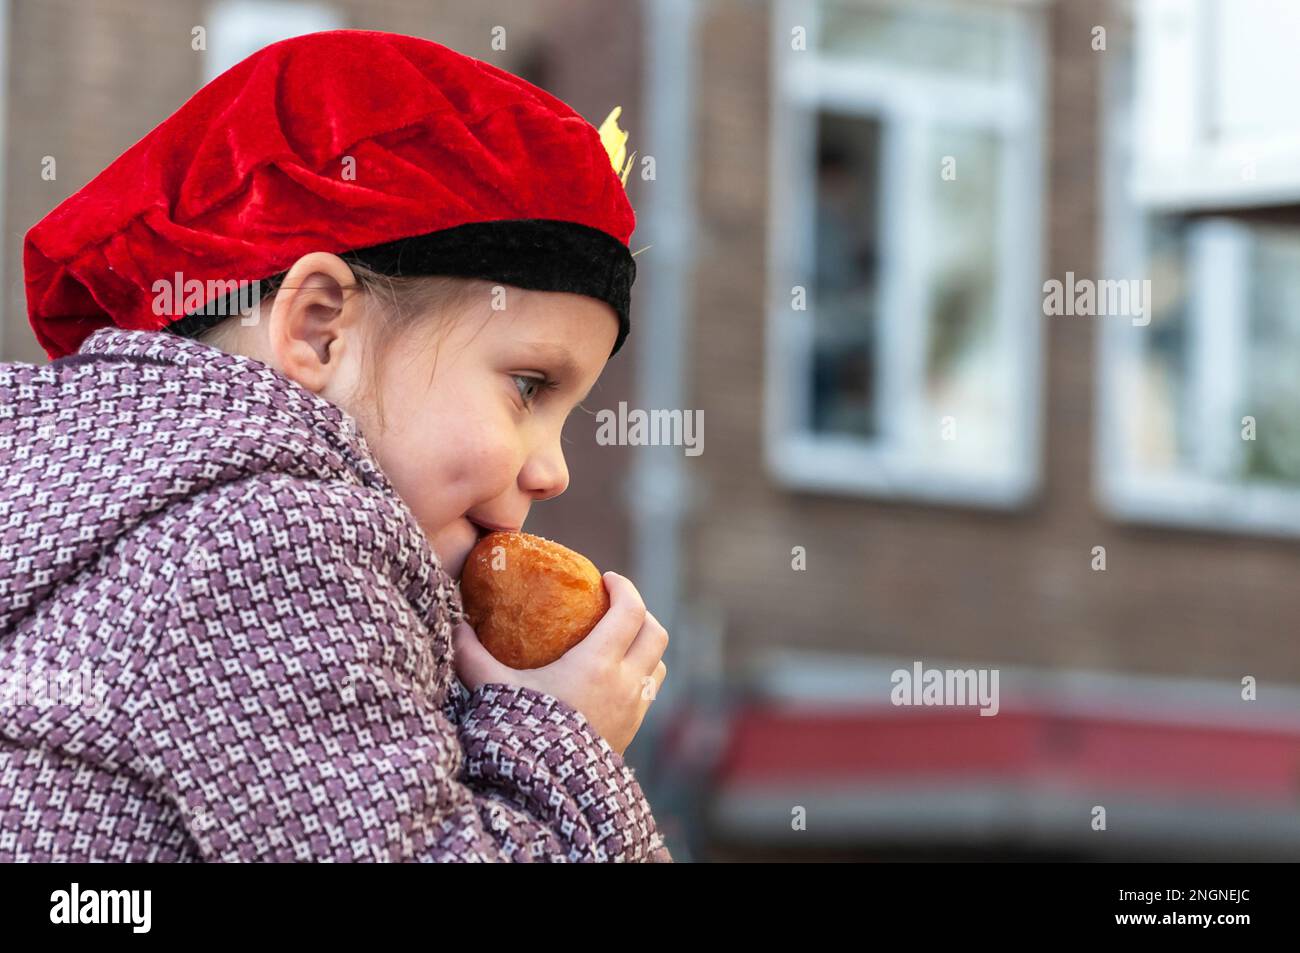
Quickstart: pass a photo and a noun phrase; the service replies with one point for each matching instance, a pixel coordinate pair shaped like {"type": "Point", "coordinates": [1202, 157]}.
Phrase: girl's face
{"type": "Point", "coordinates": [472, 419]}
{"type": "Point", "coordinates": [472, 437]}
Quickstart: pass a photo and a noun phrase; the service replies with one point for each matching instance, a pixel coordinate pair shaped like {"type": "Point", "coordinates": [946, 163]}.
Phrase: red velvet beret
{"type": "Point", "coordinates": [389, 150]}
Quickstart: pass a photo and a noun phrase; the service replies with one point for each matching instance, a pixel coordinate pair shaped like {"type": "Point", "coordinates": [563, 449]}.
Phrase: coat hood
{"type": "Point", "coordinates": [96, 443]}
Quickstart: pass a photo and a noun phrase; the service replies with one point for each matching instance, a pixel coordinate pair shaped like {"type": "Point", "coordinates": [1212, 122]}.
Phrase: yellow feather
{"type": "Point", "coordinates": [614, 140]}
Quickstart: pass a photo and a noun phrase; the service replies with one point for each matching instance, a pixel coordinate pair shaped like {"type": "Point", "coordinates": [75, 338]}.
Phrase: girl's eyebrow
{"type": "Point", "coordinates": [559, 356]}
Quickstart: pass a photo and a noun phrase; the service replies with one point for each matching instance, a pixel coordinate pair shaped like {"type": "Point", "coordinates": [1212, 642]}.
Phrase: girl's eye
{"type": "Point", "coordinates": [537, 385]}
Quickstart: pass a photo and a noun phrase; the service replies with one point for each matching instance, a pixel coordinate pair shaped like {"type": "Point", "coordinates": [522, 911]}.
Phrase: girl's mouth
{"type": "Point", "coordinates": [486, 528]}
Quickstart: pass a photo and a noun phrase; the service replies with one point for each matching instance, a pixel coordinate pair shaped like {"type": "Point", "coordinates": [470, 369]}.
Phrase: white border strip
{"type": "Point", "coordinates": [799, 680]}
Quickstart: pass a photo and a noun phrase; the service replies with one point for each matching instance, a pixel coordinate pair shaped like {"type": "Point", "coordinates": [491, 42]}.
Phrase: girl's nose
{"type": "Point", "coordinates": [545, 475]}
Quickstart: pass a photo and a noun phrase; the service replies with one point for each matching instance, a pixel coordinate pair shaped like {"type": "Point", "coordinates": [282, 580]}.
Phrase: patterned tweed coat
{"type": "Point", "coordinates": [223, 636]}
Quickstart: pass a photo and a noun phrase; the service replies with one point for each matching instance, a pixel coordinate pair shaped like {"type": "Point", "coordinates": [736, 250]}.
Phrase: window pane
{"type": "Point", "coordinates": [1163, 423]}
{"type": "Point", "coordinates": [967, 369]}
{"type": "Point", "coordinates": [1272, 383]}
{"type": "Point", "coordinates": [845, 274]}
{"type": "Point", "coordinates": [940, 39]}
{"type": "Point", "coordinates": [1160, 424]}
{"type": "Point", "coordinates": [1256, 70]}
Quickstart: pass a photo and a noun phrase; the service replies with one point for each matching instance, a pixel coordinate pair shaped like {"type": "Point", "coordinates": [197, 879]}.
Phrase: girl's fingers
{"type": "Point", "coordinates": [648, 648]}
{"type": "Point", "coordinates": [473, 663]}
{"type": "Point", "coordinates": [617, 630]}
{"type": "Point", "coordinates": [650, 684]}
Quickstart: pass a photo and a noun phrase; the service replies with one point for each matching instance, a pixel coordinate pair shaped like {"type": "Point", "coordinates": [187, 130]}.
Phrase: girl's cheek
{"type": "Point", "coordinates": [491, 471]}
{"type": "Point", "coordinates": [463, 457]}
{"type": "Point", "coordinates": [492, 453]}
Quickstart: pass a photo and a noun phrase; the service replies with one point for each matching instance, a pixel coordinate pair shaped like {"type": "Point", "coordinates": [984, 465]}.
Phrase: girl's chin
{"type": "Point", "coordinates": [453, 558]}
{"type": "Point", "coordinates": [452, 565]}
{"type": "Point", "coordinates": [453, 547]}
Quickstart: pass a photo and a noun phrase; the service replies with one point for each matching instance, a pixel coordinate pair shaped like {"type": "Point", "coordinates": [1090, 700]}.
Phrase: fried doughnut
{"type": "Point", "coordinates": [529, 599]}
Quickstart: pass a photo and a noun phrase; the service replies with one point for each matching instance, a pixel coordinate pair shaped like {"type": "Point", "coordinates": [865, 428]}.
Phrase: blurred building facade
{"type": "Point", "coordinates": [957, 465]}
{"type": "Point", "coordinates": [843, 237]}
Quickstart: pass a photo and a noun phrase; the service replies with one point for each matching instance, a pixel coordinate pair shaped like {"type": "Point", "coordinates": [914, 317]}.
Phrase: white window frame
{"type": "Point", "coordinates": [238, 28]}
{"type": "Point", "coordinates": [1204, 498]}
{"type": "Point", "coordinates": [904, 100]}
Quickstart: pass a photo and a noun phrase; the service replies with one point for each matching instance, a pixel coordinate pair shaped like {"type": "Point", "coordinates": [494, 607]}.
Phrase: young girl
{"type": "Point", "coordinates": [230, 627]}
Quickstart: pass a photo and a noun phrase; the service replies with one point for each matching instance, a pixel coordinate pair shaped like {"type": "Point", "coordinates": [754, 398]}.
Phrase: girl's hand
{"type": "Point", "coordinates": [611, 676]}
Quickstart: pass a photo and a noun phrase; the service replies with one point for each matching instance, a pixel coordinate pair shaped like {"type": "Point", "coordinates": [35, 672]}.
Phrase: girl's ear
{"type": "Point", "coordinates": [311, 331]}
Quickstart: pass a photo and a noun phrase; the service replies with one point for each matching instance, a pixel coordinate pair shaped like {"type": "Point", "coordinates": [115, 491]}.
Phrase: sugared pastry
{"type": "Point", "coordinates": [529, 599]}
